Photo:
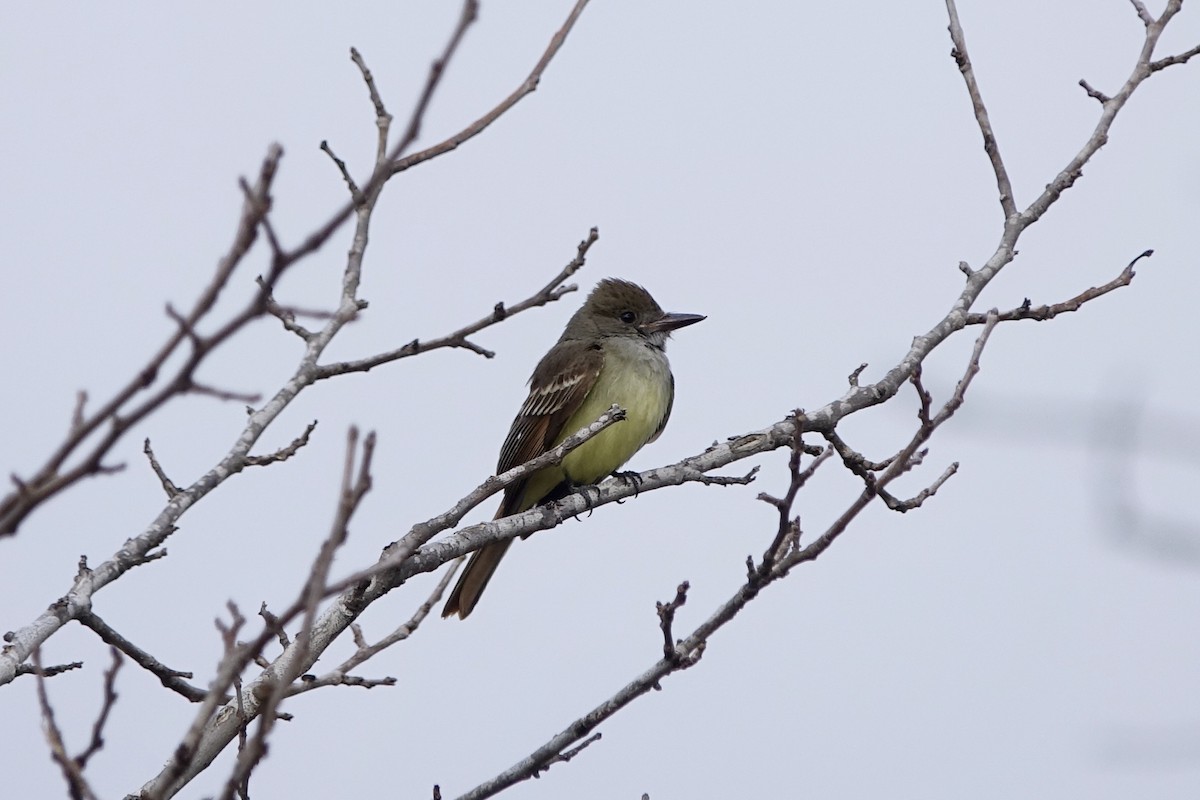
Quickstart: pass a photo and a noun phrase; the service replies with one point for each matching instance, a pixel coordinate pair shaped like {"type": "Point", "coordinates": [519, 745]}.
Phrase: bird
{"type": "Point", "coordinates": [611, 352]}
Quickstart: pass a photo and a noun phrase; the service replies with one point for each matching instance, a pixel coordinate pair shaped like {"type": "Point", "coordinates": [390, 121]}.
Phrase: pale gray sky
{"type": "Point", "coordinates": [807, 175]}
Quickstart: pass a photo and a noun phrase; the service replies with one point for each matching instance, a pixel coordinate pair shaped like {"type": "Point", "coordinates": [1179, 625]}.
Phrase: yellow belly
{"type": "Point", "coordinates": [643, 389]}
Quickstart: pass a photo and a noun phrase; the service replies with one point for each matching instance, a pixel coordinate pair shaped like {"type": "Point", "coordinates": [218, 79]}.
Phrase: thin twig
{"type": "Point", "coordinates": [356, 482]}
{"type": "Point", "coordinates": [1179, 58]}
{"type": "Point", "coordinates": [1095, 94]}
{"type": "Point", "coordinates": [341, 165]}
{"type": "Point", "coordinates": [77, 414]}
{"type": "Point", "coordinates": [264, 218]}
{"type": "Point", "coordinates": [527, 86]}
{"type": "Point", "coordinates": [339, 675]}
{"type": "Point", "coordinates": [48, 672]}
{"type": "Point", "coordinates": [567, 755]}
{"type": "Point", "coordinates": [283, 453]}
{"type": "Point", "coordinates": [666, 618]}
{"type": "Point", "coordinates": [547, 294]}
{"type": "Point", "coordinates": [54, 476]}
{"type": "Point", "coordinates": [274, 624]}
{"type": "Point", "coordinates": [173, 679]}
{"type": "Point", "coordinates": [77, 785]}
{"type": "Point", "coordinates": [1142, 13]}
{"type": "Point", "coordinates": [729, 480]}
{"type": "Point", "coordinates": [383, 120]}
{"type": "Point", "coordinates": [929, 491]}
{"type": "Point", "coordinates": [110, 699]}
{"type": "Point", "coordinates": [170, 488]}
{"type": "Point", "coordinates": [1048, 312]}
{"type": "Point", "coordinates": [224, 394]}
{"type": "Point", "coordinates": [287, 316]}
{"type": "Point", "coordinates": [877, 476]}
{"type": "Point", "coordinates": [789, 527]}
{"type": "Point", "coordinates": [990, 145]}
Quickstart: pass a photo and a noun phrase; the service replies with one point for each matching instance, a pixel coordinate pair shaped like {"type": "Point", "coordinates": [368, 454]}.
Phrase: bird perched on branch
{"type": "Point", "coordinates": [611, 352]}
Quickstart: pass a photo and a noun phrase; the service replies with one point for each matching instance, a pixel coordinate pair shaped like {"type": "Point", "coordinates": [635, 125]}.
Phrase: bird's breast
{"type": "Point", "coordinates": [638, 379]}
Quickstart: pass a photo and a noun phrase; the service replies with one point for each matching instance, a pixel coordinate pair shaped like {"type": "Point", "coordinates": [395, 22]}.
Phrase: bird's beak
{"type": "Point", "coordinates": [669, 322]}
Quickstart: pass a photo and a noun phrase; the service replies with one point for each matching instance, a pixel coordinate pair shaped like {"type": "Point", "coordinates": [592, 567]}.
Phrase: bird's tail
{"type": "Point", "coordinates": [475, 579]}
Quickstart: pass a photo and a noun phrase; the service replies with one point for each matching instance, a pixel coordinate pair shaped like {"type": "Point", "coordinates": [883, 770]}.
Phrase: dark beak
{"type": "Point", "coordinates": [670, 322]}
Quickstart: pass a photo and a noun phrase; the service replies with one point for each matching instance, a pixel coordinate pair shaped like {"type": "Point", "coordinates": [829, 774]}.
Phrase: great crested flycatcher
{"type": "Point", "coordinates": [611, 352]}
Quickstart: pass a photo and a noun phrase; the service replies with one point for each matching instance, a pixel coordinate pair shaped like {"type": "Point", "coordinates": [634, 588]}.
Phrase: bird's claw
{"type": "Point", "coordinates": [584, 490]}
{"type": "Point", "coordinates": [633, 478]}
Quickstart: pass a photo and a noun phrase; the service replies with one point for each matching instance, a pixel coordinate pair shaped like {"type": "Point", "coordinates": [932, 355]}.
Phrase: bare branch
{"type": "Point", "coordinates": [170, 488]}
{"type": "Point", "coordinates": [110, 699]}
{"type": "Point", "coordinates": [77, 785]}
{"type": "Point", "coordinates": [173, 679]}
{"type": "Point", "coordinates": [383, 120]}
{"type": "Point", "coordinates": [211, 732]}
{"type": "Point", "coordinates": [960, 390]}
{"type": "Point", "coordinates": [684, 654]}
{"type": "Point", "coordinates": [274, 623]}
{"type": "Point", "coordinates": [853, 377]}
{"type": "Point", "coordinates": [1170, 61]}
{"type": "Point", "coordinates": [547, 294]}
{"type": "Point", "coordinates": [567, 755]}
{"type": "Point", "coordinates": [1100, 97]}
{"type": "Point", "coordinates": [185, 327]}
{"type": "Point", "coordinates": [729, 480]}
{"type": "Point", "coordinates": [1142, 13]}
{"type": "Point", "coordinates": [341, 165]}
{"type": "Point", "coordinates": [363, 202]}
{"type": "Point", "coordinates": [1044, 312]}
{"type": "Point", "coordinates": [923, 395]}
{"type": "Point", "coordinates": [1143, 68]}
{"type": "Point", "coordinates": [48, 672]}
{"type": "Point", "coordinates": [53, 476]}
{"type": "Point", "coordinates": [788, 532]}
{"type": "Point", "coordinates": [355, 485]}
{"type": "Point", "coordinates": [287, 316]}
{"type": "Point", "coordinates": [397, 552]}
{"type": "Point", "coordinates": [283, 453]}
{"type": "Point", "coordinates": [224, 394]}
{"type": "Point", "coordinates": [477, 127]}
{"type": "Point", "coordinates": [339, 676]}
{"type": "Point", "coordinates": [77, 415]}
{"type": "Point", "coordinates": [412, 131]}
{"type": "Point", "coordinates": [929, 491]}
{"type": "Point", "coordinates": [877, 476]}
{"type": "Point", "coordinates": [990, 145]}
{"type": "Point", "coordinates": [855, 461]}
{"type": "Point", "coordinates": [376, 100]}
{"type": "Point", "coordinates": [141, 549]}
{"type": "Point", "coordinates": [666, 619]}
{"type": "Point", "coordinates": [262, 209]}
{"type": "Point", "coordinates": [50, 479]}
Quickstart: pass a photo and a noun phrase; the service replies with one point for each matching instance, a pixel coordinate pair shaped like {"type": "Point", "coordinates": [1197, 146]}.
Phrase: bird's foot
{"type": "Point", "coordinates": [586, 489]}
{"type": "Point", "coordinates": [631, 477]}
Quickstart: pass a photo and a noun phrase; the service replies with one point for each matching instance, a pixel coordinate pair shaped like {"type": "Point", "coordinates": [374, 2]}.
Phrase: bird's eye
{"type": "Point", "coordinates": [628, 317]}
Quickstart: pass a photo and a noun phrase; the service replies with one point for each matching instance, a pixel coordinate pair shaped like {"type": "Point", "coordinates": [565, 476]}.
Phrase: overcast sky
{"type": "Point", "coordinates": [808, 175]}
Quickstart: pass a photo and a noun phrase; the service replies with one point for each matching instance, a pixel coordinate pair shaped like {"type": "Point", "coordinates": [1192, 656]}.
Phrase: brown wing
{"type": "Point", "coordinates": [559, 384]}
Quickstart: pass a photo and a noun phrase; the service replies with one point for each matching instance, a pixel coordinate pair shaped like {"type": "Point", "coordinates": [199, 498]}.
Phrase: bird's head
{"type": "Point", "coordinates": [620, 308]}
